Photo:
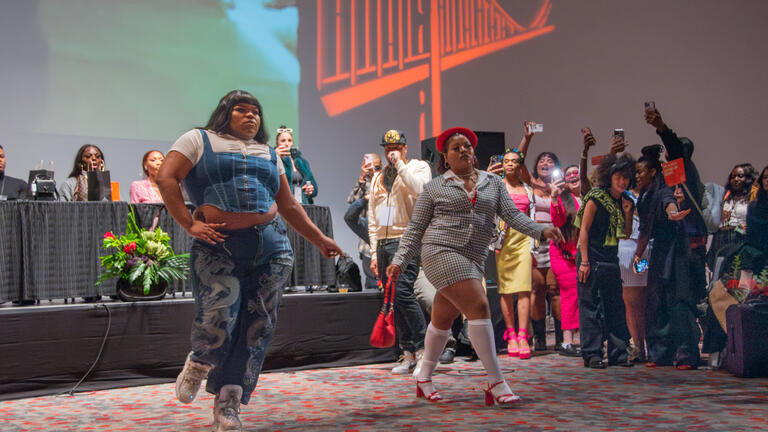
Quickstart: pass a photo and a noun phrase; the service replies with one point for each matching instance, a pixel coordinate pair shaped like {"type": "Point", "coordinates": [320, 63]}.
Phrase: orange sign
{"type": "Point", "coordinates": [674, 172]}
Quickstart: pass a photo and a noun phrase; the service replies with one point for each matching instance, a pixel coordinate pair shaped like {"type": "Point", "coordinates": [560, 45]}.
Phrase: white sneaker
{"type": "Point", "coordinates": [418, 357]}
{"type": "Point", "coordinates": [406, 362]}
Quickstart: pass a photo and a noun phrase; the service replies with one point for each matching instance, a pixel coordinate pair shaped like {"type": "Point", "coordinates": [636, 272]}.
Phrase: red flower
{"type": "Point", "coordinates": [109, 234]}
{"type": "Point", "coordinates": [130, 247]}
{"type": "Point", "coordinates": [732, 283]}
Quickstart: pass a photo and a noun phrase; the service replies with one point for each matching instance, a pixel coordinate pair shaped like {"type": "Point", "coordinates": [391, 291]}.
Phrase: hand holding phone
{"type": "Point", "coordinates": [650, 106]}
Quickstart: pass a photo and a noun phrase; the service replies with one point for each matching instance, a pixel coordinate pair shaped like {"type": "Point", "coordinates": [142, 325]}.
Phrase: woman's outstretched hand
{"type": "Point", "coordinates": [207, 232]}
{"type": "Point", "coordinates": [554, 234]}
{"type": "Point", "coordinates": [393, 272]}
{"type": "Point", "coordinates": [328, 247]}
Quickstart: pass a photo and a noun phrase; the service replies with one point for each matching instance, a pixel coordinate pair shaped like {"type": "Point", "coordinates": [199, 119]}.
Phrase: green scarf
{"type": "Point", "coordinates": [616, 221]}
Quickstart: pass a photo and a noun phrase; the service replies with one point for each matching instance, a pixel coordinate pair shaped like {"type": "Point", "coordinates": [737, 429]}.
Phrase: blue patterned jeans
{"type": "Point", "coordinates": [237, 286]}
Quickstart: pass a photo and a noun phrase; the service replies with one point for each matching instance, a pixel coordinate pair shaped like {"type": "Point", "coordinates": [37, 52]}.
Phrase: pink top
{"type": "Point", "coordinates": [521, 201]}
{"type": "Point", "coordinates": [543, 209]}
{"type": "Point", "coordinates": [560, 217]}
{"type": "Point", "coordinates": [143, 192]}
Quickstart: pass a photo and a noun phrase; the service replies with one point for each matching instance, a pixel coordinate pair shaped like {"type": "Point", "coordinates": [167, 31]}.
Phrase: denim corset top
{"type": "Point", "coordinates": [233, 182]}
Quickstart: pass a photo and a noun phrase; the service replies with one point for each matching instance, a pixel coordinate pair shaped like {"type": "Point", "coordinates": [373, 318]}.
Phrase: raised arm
{"type": "Point", "coordinates": [414, 175]}
{"type": "Point", "coordinates": [525, 142]}
{"type": "Point", "coordinates": [589, 141]}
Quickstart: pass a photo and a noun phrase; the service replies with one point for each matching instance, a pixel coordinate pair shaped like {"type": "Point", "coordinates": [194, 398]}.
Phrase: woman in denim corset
{"type": "Point", "coordinates": [240, 257]}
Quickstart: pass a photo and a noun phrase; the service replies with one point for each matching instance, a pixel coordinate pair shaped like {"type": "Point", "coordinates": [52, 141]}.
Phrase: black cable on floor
{"type": "Point", "coordinates": [98, 356]}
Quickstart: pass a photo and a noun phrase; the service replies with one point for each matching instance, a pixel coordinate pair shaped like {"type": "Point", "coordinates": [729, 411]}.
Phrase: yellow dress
{"type": "Point", "coordinates": [513, 263]}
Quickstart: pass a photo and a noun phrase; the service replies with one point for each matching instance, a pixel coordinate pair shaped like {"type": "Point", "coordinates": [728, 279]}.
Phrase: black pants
{"type": "Point", "coordinates": [601, 313]}
{"type": "Point", "coordinates": [409, 319]}
{"type": "Point", "coordinates": [672, 333]}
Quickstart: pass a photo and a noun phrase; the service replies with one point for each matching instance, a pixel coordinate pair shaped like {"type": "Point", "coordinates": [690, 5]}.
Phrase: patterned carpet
{"type": "Point", "coordinates": [558, 394]}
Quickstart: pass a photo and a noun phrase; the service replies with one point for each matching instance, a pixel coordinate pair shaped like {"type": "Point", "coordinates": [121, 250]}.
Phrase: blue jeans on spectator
{"type": "Point", "coordinates": [409, 319]}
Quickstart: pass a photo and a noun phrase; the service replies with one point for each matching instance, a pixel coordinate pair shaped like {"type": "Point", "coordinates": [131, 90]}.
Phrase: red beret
{"type": "Point", "coordinates": [443, 137]}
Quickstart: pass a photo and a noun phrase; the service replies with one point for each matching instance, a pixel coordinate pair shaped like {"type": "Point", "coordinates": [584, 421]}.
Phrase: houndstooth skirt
{"type": "Point", "coordinates": [445, 265]}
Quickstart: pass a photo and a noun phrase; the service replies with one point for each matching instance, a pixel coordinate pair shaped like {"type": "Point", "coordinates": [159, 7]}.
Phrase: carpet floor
{"type": "Point", "coordinates": [557, 392]}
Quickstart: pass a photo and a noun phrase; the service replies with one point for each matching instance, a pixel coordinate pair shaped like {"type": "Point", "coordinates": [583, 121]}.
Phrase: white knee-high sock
{"type": "Point", "coordinates": [481, 335]}
{"type": "Point", "coordinates": [434, 344]}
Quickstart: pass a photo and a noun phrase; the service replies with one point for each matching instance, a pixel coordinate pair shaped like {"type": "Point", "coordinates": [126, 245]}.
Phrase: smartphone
{"type": "Point", "coordinates": [557, 175]}
{"type": "Point", "coordinates": [641, 265]}
{"type": "Point", "coordinates": [650, 106]}
{"type": "Point", "coordinates": [536, 128]}
{"type": "Point", "coordinates": [618, 132]}
{"type": "Point", "coordinates": [586, 131]}
{"type": "Point", "coordinates": [294, 152]}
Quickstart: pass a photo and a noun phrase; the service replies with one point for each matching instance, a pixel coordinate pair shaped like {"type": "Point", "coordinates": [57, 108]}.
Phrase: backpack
{"type": "Point", "coordinates": [348, 274]}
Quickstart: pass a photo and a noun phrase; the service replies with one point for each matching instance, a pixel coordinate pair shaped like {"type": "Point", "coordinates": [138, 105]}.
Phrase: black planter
{"type": "Point", "coordinates": [129, 292]}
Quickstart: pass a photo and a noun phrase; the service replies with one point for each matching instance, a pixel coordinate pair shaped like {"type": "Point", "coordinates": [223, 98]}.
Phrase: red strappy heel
{"type": "Point", "coordinates": [512, 349]}
{"type": "Point", "coordinates": [523, 352]}
{"type": "Point", "coordinates": [505, 400]}
{"type": "Point", "coordinates": [432, 397]}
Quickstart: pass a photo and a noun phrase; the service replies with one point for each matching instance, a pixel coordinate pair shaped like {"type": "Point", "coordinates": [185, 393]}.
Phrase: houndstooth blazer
{"type": "Point", "coordinates": [444, 215]}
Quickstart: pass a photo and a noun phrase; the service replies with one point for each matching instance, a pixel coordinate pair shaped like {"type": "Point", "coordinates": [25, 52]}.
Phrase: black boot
{"type": "Point", "coordinates": [539, 335]}
{"type": "Point", "coordinates": [558, 335]}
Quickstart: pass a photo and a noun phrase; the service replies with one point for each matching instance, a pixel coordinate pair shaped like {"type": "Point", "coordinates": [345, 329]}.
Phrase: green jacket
{"type": "Point", "coordinates": [303, 167]}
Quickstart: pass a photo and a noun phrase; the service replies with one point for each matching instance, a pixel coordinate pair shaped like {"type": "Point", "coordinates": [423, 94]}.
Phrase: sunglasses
{"type": "Point", "coordinates": [282, 130]}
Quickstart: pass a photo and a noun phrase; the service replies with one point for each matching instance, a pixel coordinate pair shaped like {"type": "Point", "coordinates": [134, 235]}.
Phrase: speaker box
{"type": "Point", "coordinates": [488, 144]}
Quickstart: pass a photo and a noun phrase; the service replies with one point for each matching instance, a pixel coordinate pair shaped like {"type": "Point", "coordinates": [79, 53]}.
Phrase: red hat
{"type": "Point", "coordinates": [443, 137]}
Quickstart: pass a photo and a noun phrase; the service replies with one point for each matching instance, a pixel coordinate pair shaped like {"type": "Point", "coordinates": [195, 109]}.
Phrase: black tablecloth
{"type": "Point", "coordinates": [51, 250]}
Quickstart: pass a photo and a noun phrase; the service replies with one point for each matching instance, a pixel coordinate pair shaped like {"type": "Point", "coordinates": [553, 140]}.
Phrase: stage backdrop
{"type": "Point", "coordinates": [133, 76]}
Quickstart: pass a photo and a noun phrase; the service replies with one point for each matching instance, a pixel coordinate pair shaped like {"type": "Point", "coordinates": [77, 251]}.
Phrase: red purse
{"type": "Point", "coordinates": [383, 333]}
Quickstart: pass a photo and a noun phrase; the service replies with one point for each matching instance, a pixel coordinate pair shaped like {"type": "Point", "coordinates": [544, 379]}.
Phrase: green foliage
{"type": "Point", "coordinates": [144, 258]}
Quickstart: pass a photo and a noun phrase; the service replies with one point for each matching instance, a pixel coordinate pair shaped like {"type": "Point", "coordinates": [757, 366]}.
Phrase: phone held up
{"type": "Point", "coordinates": [650, 106]}
{"type": "Point", "coordinates": [536, 128]}
{"type": "Point", "coordinates": [641, 266]}
{"type": "Point", "coordinates": [618, 133]}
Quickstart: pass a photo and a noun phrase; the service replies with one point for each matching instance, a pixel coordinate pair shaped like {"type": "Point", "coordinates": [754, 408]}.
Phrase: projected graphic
{"type": "Point", "coordinates": [369, 49]}
{"type": "Point", "coordinates": [149, 69]}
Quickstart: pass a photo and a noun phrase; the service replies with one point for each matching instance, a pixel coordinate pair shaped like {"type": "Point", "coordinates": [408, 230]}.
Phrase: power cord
{"type": "Point", "coordinates": [98, 356]}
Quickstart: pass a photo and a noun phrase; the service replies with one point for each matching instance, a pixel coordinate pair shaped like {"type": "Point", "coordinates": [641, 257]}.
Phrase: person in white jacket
{"type": "Point", "coordinates": [393, 194]}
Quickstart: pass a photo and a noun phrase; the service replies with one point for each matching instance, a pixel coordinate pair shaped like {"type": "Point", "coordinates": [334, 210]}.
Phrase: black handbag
{"type": "Point", "coordinates": [348, 274]}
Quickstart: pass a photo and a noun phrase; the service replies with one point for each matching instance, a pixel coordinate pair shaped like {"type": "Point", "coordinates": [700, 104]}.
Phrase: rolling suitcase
{"type": "Point", "coordinates": [748, 339]}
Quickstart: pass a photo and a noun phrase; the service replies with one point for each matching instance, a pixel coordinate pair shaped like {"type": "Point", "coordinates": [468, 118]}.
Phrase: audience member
{"type": "Point", "coordinates": [75, 187]}
{"type": "Point", "coordinates": [393, 193]}
{"type": "Point", "coordinates": [514, 261]}
{"type": "Point", "coordinates": [680, 289]}
{"type": "Point", "coordinates": [11, 188]}
{"type": "Point", "coordinates": [733, 223]}
{"type": "Point", "coordinates": [356, 216]}
{"type": "Point", "coordinates": [297, 169]}
{"type": "Point", "coordinates": [146, 190]}
{"type": "Point", "coordinates": [543, 281]}
{"type": "Point", "coordinates": [566, 201]}
{"type": "Point", "coordinates": [603, 219]}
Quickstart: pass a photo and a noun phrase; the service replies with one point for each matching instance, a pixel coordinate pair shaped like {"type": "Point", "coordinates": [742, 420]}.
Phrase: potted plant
{"type": "Point", "coordinates": [144, 262]}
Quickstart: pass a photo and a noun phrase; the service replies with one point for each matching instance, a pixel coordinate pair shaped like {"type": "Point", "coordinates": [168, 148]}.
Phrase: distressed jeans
{"type": "Point", "coordinates": [237, 286]}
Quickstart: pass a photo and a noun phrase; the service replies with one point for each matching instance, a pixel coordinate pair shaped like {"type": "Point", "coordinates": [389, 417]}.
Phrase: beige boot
{"type": "Point", "coordinates": [188, 381]}
{"type": "Point", "coordinates": [226, 407]}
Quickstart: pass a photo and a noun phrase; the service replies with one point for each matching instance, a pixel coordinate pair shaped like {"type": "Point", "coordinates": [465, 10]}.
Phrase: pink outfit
{"type": "Point", "coordinates": [143, 192]}
{"type": "Point", "coordinates": [565, 269]}
{"type": "Point", "coordinates": [521, 201]}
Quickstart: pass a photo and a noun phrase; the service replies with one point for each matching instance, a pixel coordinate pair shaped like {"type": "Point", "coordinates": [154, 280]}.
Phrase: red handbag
{"type": "Point", "coordinates": [383, 333]}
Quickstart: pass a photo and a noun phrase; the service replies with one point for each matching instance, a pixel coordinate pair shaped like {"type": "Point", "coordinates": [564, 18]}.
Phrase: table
{"type": "Point", "coordinates": [51, 250]}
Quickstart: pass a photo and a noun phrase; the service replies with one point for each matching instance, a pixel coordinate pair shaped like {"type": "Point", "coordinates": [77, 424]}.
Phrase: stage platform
{"type": "Point", "coordinates": [47, 348]}
{"type": "Point", "coordinates": [558, 394]}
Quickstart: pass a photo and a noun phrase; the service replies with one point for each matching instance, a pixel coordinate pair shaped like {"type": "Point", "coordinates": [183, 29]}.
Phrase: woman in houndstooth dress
{"type": "Point", "coordinates": [452, 224]}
